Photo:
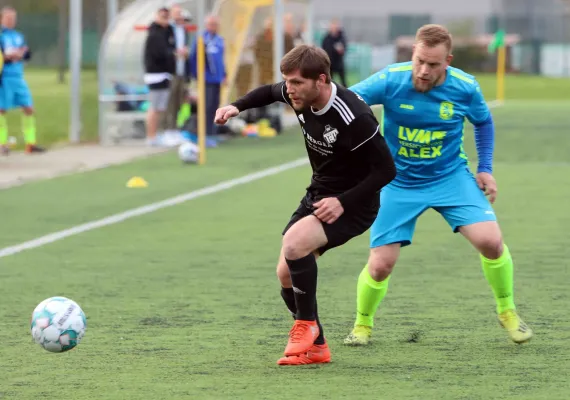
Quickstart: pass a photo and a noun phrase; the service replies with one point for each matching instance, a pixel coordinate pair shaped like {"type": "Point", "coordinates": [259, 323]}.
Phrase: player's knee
{"type": "Point", "coordinates": [380, 269]}
{"type": "Point", "coordinates": [283, 274]}
{"type": "Point", "coordinates": [28, 111]}
{"type": "Point", "coordinates": [381, 263]}
{"type": "Point", "coordinates": [491, 248]}
{"type": "Point", "coordinates": [294, 247]}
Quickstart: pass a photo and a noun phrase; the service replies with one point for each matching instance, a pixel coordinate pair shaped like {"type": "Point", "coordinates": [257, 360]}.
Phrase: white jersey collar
{"type": "Point", "coordinates": [329, 103]}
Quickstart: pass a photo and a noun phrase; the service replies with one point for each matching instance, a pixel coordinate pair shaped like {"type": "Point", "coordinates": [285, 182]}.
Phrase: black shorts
{"type": "Point", "coordinates": [349, 225]}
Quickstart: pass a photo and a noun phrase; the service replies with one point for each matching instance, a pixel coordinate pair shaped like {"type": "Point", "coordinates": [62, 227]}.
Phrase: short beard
{"type": "Point", "coordinates": [428, 88]}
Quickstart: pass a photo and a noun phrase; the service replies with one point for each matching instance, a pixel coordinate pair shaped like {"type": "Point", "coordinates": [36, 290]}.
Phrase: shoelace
{"type": "Point", "coordinates": [298, 331]}
{"type": "Point", "coordinates": [510, 316]}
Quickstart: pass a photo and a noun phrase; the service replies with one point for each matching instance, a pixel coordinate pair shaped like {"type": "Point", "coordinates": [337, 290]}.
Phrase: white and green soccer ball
{"type": "Point", "coordinates": [188, 152]}
{"type": "Point", "coordinates": [58, 324]}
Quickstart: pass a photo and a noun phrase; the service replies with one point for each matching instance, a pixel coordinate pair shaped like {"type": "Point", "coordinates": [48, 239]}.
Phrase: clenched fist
{"type": "Point", "coordinates": [223, 114]}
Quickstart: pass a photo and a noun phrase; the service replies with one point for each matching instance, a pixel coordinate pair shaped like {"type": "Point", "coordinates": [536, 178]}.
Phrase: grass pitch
{"type": "Point", "coordinates": [184, 303]}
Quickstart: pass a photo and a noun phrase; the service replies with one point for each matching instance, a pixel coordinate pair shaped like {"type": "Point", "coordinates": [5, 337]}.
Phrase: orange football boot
{"type": "Point", "coordinates": [301, 337]}
{"type": "Point", "coordinates": [317, 354]}
{"type": "Point", "coordinates": [32, 148]}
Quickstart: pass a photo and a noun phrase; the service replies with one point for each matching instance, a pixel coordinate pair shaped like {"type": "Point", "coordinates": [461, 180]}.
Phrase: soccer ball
{"type": "Point", "coordinates": [58, 324]}
{"type": "Point", "coordinates": [188, 152]}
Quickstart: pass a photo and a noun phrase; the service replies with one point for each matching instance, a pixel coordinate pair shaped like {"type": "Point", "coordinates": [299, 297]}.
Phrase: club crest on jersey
{"type": "Point", "coordinates": [445, 110]}
{"type": "Point", "coordinates": [330, 134]}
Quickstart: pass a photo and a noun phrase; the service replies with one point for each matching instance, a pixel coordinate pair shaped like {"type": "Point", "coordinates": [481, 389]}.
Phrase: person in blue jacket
{"type": "Point", "coordinates": [215, 69]}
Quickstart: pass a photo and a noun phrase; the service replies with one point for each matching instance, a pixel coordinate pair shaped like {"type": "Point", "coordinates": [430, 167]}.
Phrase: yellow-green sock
{"type": "Point", "coordinates": [183, 114]}
{"type": "Point", "coordinates": [3, 130]}
{"type": "Point", "coordinates": [499, 274]}
{"type": "Point", "coordinates": [29, 128]}
{"type": "Point", "coordinates": [368, 297]}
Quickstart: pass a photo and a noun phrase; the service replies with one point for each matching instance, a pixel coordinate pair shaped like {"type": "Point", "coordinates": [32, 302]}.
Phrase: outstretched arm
{"type": "Point", "coordinates": [260, 97]}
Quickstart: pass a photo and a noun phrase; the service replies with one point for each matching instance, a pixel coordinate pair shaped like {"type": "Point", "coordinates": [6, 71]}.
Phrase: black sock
{"type": "Point", "coordinates": [304, 277]}
{"type": "Point", "coordinates": [321, 338]}
{"type": "Point", "coordinates": [289, 298]}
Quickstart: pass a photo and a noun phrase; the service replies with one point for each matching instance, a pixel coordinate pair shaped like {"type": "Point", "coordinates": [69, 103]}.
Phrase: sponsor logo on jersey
{"type": "Point", "coordinates": [330, 134]}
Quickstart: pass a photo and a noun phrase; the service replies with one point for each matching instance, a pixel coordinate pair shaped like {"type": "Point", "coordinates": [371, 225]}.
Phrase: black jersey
{"type": "Point", "coordinates": [348, 155]}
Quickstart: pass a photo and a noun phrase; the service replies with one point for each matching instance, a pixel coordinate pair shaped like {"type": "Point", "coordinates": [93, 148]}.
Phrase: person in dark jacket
{"type": "Point", "coordinates": [160, 66]}
{"type": "Point", "coordinates": [179, 83]}
{"type": "Point", "coordinates": [334, 43]}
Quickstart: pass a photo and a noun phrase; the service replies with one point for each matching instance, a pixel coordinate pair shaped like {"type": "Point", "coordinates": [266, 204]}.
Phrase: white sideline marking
{"type": "Point", "coordinates": [136, 212]}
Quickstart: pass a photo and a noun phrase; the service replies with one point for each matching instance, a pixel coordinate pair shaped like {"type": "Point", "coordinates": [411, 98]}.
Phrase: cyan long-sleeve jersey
{"type": "Point", "coordinates": [424, 131]}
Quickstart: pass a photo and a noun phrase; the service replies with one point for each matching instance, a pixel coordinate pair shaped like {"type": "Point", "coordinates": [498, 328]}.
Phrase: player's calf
{"type": "Point", "coordinates": [498, 269]}
{"type": "Point", "coordinates": [4, 149]}
{"type": "Point", "coordinates": [370, 291]}
{"type": "Point", "coordinates": [288, 295]}
{"type": "Point", "coordinates": [29, 129]}
{"type": "Point", "coordinates": [299, 244]}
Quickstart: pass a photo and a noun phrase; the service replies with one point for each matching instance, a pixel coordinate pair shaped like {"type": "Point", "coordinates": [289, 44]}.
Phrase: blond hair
{"type": "Point", "coordinates": [433, 35]}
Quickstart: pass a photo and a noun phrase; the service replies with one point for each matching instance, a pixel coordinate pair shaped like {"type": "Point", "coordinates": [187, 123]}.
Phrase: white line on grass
{"type": "Point", "coordinates": [136, 212]}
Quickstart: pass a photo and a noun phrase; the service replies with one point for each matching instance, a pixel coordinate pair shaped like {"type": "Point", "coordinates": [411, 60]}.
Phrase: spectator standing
{"type": "Point", "coordinates": [215, 69]}
{"type": "Point", "coordinates": [160, 66]}
{"type": "Point", "coordinates": [334, 43]}
{"type": "Point", "coordinates": [263, 49]}
{"type": "Point", "coordinates": [180, 80]}
{"type": "Point", "coordinates": [14, 90]}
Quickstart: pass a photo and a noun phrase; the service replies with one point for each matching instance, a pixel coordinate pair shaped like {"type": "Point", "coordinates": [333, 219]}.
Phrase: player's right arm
{"type": "Point", "coordinates": [260, 97]}
{"type": "Point", "coordinates": [373, 89]}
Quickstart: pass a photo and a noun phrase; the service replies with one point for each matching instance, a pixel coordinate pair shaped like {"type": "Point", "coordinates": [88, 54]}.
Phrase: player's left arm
{"type": "Point", "coordinates": [371, 149]}
{"type": "Point", "coordinates": [480, 116]}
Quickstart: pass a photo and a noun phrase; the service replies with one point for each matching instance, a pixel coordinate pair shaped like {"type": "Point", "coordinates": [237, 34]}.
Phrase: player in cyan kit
{"type": "Point", "coordinates": [14, 91]}
{"type": "Point", "coordinates": [350, 163]}
{"type": "Point", "coordinates": [425, 105]}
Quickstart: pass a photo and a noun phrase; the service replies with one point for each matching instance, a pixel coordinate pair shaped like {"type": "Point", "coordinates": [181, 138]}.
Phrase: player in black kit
{"type": "Point", "coordinates": [350, 163]}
